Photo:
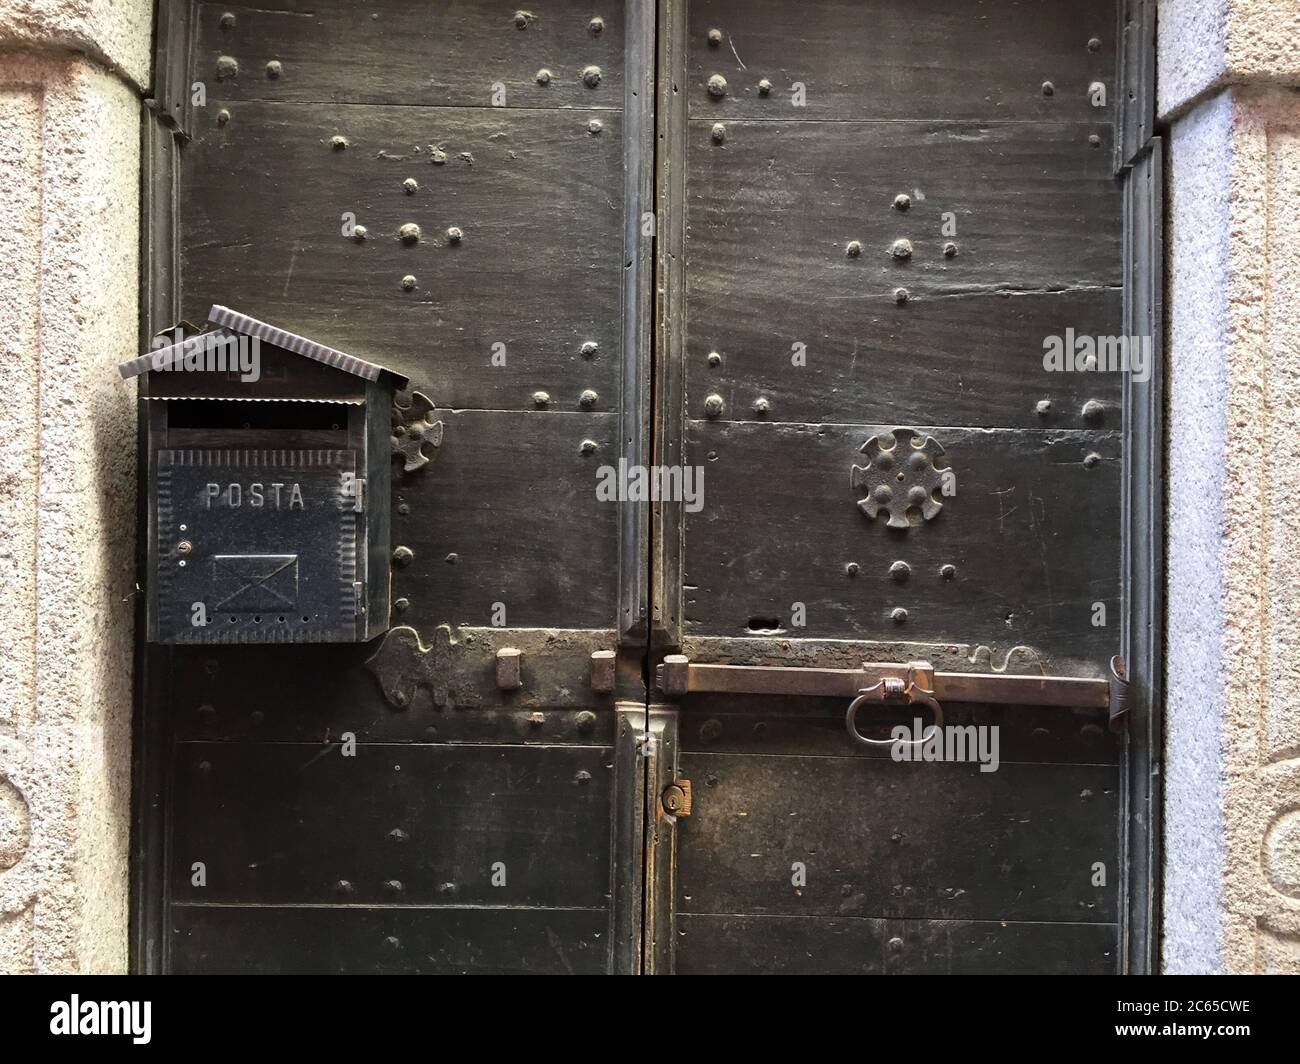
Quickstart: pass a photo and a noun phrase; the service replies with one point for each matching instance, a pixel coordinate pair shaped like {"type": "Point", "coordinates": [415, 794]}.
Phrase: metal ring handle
{"type": "Point", "coordinates": [915, 695]}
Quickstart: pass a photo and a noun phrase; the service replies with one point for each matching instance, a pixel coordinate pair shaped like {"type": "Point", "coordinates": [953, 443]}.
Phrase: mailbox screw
{"type": "Point", "coordinates": [594, 127]}
{"type": "Point", "coordinates": [588, 447]}
{"type": "Point", "coordinates": [902, 201]}
{"type": "Point", "coordinates": [582, 777]}
{"type": "Point", "coordinates": [587, 399]}
{"type": "Point", "coordinates": [901, 296]}
{"type": "Point", "coordinates": [585, 721]}
{"type": "Point", "coordinates": [1048, 88]}
{"type": "Point", "coordinates": [398, 835]}
{"type": "Point", "coordinates": [409, 233]}
{"type": "Point", "coordinates": [900, 571]}
{"type": "Point", "coordinates": [403, 556]}
{"type": "Point", "coordinates": [536, 720]}
{"type": "Point", "coordinates": [589, 349]}
{"type": "Point", "coordinates": [1094, 44]}
{"type": "Point", "coordinates": [1043, 407]}
{"type": "Point", "coordinates": [392, 943]}
{"type": "Point", "coordinates": [359, 233]}
{"type": "Point", "coordinates": [949, 251]}
{"type": "Point", "coordinates": [183, 528]}
{"type": "Point", "coordinates": [274, 69]}
{"type": "Point", "coordinates": [765, 88]}
{"type": "Point", "coordinates": [257, 716]}
{"type": "Point", "coordinates": [948, 572]}
{"type": "Point", "coordinates": [227, 67]}
{"type": "Point", "coordinates": [761, 407]}
{"type": "Point", "coordinates": [713, 405]}
{"type": "Point", "coordinates": [852, 569]}
{"type": "Point", "coordinates": [522, 18]}
{"type": "Point", "coordinates": [719, 133]}
{"type": "Point", "coordinates": [591, 76]}
{"type": "Point", "coordinates": [394, 886]}
{"type": "Point", "coordinates": [402, 605]}
{"type": "Point", "coordinates": [223, 116]}
{"type": "Point", "coordinates": [541, 398]}
{"type": "Point", "coordinates": [437, 156]}
{"type": "Point", "coordinates": [408, 282]}
{"type": "Point", "coordinates": [596, 25]}
{"type": "Point", "coordinates": [717, 86]}
{"type": "Point", "coordinates": [901, 250]}
{"type": "Point", "coordinates": [452, 559]}
{"type": "Point", "coordinates": [447, 890]}
{"type": "Point", "coordinates": [895, 944]}
{"type": "Point", "coordinates": [228, 20]}
{"type": "Point", "coordinates": [410, 186]}
{"type": "Point", "coordinates": [338, 143]}
{"type": "Point", "coordinates": [455, 235]}
{"type": "Point", "coordinates": [715, 359]}
{"type": "Point", "coordinates": [854, 249]}
{"type": "Point", "coordinates": [1091, 460]}
{"type": "Point", "coordinates": [543, 77]}
{"type": "Point", "coordinates": [344, 887]}
{"type": "Point", "coordinates": [715, 38]}
{"type": "Point", "coordinates": [898, 615]}
{"type": "Point", "coordinates": [1093, 410]}
{"type": "Point", "coordinates": [1094, 140]}
{"type": "Point", "coordinates": [184, 546]}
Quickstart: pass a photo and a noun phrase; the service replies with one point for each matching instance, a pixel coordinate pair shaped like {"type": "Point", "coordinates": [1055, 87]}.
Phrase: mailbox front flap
{"type": "Point", "coordinates": [258, 546]}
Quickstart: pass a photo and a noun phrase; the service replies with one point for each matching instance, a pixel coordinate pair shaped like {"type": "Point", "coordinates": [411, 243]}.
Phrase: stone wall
{"type": "Point", "coordinates": [71, 77]}
{"type": "Point", "coordinates": [1227, 71]}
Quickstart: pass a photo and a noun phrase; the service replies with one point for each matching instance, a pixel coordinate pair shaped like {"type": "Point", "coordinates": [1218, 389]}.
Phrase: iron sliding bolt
{"type": "Point", "coordinates": [906, 683]}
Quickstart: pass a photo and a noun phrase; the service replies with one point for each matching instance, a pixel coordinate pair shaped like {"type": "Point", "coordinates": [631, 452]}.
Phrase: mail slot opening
{"type": "Point", "coordinates": [285, 416]}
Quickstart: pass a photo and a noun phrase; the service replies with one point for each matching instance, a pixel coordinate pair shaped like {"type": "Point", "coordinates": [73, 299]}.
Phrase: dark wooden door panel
{"type": "Point", "coordinates": [933, 59]}
{"type": "Point", "coordinates": [879, 839]}
{"type": "Point", "coordinates": [878, 217]}
{"type": "Point", "coordinates": [409, 940]}
{"type": "Point", "coordinates": [1030, 533]}
{"type": "Point", "coordinates": [399, 53]}
{"type": "Point", "coordinates": [800, 945]}
{"type": "Point", "coordinates": [484, 322]}
{"type": "Point", "coordinates": [402, 182]}
{"type": "Point", "coordinates": [978, 358]}
{"type": "Point", "coordinates": [413, 824]}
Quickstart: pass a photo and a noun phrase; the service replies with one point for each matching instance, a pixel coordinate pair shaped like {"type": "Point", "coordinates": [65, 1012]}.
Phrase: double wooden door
{"type": "Point", "coordinates": [734, 313]}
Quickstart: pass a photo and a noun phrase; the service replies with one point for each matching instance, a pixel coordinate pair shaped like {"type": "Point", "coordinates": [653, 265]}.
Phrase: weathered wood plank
{"type": "Point", "coordinates": [396, 824]}
{"type": "Point", "coordinates": [922, 59]}
{"type": "Point", "coordinates": [757, 945]}
{"type": "Point", "coordinates": [1031, 533]}
{"type": "Point", "coordinates": [760, 725]}
{"type": "Point", "coordinates": [489, 320]}
{"type": "Point", "coordinates": [772, 210]}
{"type": "Point", "coordinates": [414, 940]}
{"type": "Point", "coordinates": [965, 360]}
{"type": "Point", "coordinates": [885, 839]}
{"type": "Point", "coordinates": [315, 694]}
{"type": "Point", "coordinates": [394, 52]}
{"type": "Point", "coordinates": [507, 513]}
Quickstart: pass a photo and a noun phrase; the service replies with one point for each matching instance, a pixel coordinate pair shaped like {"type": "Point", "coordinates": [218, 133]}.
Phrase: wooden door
{"type": "Point", "coordinates": [876, 215]}
{"type": "Point", "coordinates": [804, 259]}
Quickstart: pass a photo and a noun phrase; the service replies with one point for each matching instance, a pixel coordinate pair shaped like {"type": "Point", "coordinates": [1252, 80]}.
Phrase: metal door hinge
{"type": "Point", "coordinates": [676, 798]}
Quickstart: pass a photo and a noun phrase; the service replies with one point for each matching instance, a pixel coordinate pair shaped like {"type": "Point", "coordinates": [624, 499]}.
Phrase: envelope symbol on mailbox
{"type": "Point", "coordinates": [255, 581]}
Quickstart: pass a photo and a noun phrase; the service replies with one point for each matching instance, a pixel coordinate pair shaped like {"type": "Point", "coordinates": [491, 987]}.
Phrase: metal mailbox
{"type": "Point", "coordinates": [268, 487]}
